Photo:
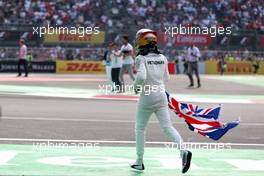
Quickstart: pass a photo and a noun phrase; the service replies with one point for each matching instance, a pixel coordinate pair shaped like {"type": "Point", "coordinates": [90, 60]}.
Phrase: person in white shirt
{"type": "Point", "coordinates": [193, 59]}
{"type": "Point", "coordinates": [152, 71]}
{"type": "Point", "coordinates": [127, 53]}
{"type": "Point", "coordinates": [116, 60]}
{"type": "Point", "coordinates": [22, 61]}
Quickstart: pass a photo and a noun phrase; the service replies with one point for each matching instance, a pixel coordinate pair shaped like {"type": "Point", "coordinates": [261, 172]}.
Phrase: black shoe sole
{"type": "Point", "coordinates": [143, 168]}
{"type": "Point", "coordinates": [188, 164]}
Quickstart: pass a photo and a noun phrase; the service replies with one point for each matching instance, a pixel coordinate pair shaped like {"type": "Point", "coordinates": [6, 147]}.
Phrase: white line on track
{"type": "Point", "coordinates": [120, 142]}
{"type": "Point", "coordinates": [72, 119]}
{"type": "Point", "coordinates": [103, 120]}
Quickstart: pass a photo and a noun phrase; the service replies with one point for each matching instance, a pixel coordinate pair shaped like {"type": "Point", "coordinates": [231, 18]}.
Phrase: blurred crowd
{"type": "Point", "coordinates": [121, 15]}
{"type": "Point", "coordinates": [54, 53]}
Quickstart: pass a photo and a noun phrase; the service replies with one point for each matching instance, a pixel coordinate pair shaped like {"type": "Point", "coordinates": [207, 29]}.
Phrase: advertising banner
{"type": "Point", "coordinates": [196, 39]}
{"type": "Point", "coordinates": [261, 41]}
{"type": "Point", "coordinates": [36, 67]}
{"type": "Point", "coordinates": [75, 38]}
{"type": "Point", "coordinates": [80, 67]}
{"type": "Point", "coordinates": [233, 67]}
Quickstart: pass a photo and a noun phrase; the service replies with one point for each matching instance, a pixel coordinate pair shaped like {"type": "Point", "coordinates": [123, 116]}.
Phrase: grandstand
{"type": "Point", "coordinates": [115, 18]}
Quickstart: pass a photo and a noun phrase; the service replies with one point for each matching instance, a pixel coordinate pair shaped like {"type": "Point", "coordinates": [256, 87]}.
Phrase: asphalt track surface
{"type": "Point", "coordinates": [37, 117]}
{"type": "Point", "coordinates": [45, 110]}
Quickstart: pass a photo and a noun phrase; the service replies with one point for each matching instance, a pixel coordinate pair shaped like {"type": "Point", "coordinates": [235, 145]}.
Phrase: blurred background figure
{"type": "Point", "coordinates": [22, 61]}
{"type": "Point", "coordinates": [193, 59]}
{"type": "Point", "coordinates": [256, 66]}
{"type": "Point", "coordinates": [115, 18]}
{"type": "Point", "coordinates": [116, 61]}
{"type": "Point", "coordinates": [29, 59]}
{"type": "Point", "coordinates": [107, 62]}
{"type": "Point", "coordinates": [128, 62]}
{"type": "Point", "coordinates": [2, 54]}
{"type": "Point", "coordinates": [222, 64]}
{"type": "Point", "coordinates": [177, 63]}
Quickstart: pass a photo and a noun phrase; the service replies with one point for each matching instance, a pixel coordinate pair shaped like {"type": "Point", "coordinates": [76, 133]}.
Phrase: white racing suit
{"type": "Point", "coordinates": [152, 71]}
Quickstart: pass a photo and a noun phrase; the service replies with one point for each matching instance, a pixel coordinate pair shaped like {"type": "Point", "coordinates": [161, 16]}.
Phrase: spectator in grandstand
{"type": "Point", "coordinates": [237, 14]}
{"type": "Point", "coordinates": [2, 54]}
{"type": "Point", "coordinates": [59, 52]}
{"type": "Point", "coordinates": [69, 55]}
{"type": "Point", "coordinates": [193, 59]}
{"type": "Point", "coordinates": [78, 54]}
{"type": "Point", "coordinates": [22, 58]}
{"type": "Point", "coordinates": [127, 54]}
{"type": "Point", "coordinates": [116, 61]}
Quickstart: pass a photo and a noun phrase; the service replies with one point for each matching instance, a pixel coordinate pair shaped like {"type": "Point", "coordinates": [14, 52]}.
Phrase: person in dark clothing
{"type": "Point", "coordinates": [185, 66]}
{"type": "Point", "coordinates": [69, 55]}
{"type": "Point", "coordinates": [193, 67]}
{"type": "Point", "coordinates": [222, 65]}
{"type": "Point", "coordinates": [256, 66]}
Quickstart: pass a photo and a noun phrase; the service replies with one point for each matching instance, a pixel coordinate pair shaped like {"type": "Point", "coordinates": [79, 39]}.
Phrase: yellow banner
{"type": "Point", "coordinates": [75, 38]}
{"type": "Point", "coordinates": [233, 67]}
{"type": "Point", "coordinates": [79, 67]}
{"type": "Point", "coordinates": [211, 67]}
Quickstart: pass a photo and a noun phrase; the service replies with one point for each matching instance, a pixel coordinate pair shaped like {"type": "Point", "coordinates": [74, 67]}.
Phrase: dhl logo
{"type": "Point", "coordinates": [84, 67]}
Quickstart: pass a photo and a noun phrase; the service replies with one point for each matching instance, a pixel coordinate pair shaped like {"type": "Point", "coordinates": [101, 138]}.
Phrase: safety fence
{"type": "Point", "coordinates": [96, 53]}
{"type": "Point", "coordinates": [98, 67]}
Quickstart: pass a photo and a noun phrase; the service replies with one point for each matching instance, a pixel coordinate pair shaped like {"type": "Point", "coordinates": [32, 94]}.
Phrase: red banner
{"type": "Point", "coordinates": [197, 39]}
{"type": "Point", "coordinates": [162, 38]}
{"type": "Point", "coordinates": [261, 41]}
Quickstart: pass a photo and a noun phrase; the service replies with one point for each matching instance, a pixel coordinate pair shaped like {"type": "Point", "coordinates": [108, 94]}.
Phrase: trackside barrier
{"type": "Point", "coordinates": [233, 67]}
{"type": "Point", "coordinates": [10, 66]}
{"type": "Point", "coordinates": [87, 67]}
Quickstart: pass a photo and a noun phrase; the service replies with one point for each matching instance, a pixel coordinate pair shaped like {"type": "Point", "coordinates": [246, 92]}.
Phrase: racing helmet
{"type": "Point", "coordinates": [145, 37]}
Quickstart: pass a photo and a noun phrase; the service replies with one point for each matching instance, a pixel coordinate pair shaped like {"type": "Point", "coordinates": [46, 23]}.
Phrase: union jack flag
{"type": "Point", "coordinates": [201, 120]}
